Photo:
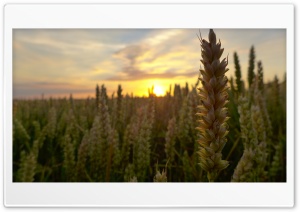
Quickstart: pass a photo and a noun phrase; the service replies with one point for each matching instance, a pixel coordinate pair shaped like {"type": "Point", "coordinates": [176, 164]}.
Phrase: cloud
{"type": "Point", "coordinates": [162, 36]}
{"type": "Point", "coordinates": [148, 59]}
{"type": "Point", "coordinates": [137, 67]}
{"type": "Point", "coordinates": [36, 89]}
{"type": "Point", "coordinates": [73, 59]}
{"type": "Point", "coordinates": [44, 55]}
{"type": "Point", "coordinates": [130, 53]}
{"type": "Point", "coordinates": [131, 74]}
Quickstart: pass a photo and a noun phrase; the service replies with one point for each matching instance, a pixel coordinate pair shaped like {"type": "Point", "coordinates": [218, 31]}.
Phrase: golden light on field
{"type": "Point", "coordinates": [158, 90]}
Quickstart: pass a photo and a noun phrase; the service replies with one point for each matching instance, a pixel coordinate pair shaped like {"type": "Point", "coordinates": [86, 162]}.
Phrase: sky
{"type": "Point", "coordinates": [58, 62]}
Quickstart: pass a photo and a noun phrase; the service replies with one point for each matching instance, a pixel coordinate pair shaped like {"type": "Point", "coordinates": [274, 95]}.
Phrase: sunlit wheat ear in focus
{"type": "Point", "coordinates": [212, 111]}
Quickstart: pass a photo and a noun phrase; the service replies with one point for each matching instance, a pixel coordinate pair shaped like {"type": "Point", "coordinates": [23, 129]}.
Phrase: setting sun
{"type": "Point", "coordinates": [158, 90]}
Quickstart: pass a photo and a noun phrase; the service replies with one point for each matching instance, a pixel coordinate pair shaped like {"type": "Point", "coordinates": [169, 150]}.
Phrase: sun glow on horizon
{"type": "Point", "coordinates": [158, 90]}
{"type": "Point", "coordinates": [137, 59]}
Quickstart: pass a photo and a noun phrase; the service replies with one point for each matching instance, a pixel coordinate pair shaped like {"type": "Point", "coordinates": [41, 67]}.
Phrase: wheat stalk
{"type": "Point", "coordinates": [249, 138]}
{"type": "Point", "coordinates": [276, 165]}
{"type": "Point", "coordinates": [213, 113]}
{"type": "Point", "coordinates": [69, 159]}
{"type": "Point", "coordinates": [51, 127]}
{"type": "Point", "coordinates": [244, 169]}
{"type": "Point", "coordinates": [261, 149]}
{"type": "Point", "coordinates": [82, 157]}
{"type": "Point", "coordinates": [129, 174]}
{"type": "Point", "coordinates": [28, 164]}
{"type": "Point", "coordinates": [160, 177]}
{"type": "Point", "coordinates": [171, 140]}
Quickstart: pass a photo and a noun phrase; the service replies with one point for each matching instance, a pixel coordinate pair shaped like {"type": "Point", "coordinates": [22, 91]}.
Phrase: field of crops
{"type": "Point", "coordinates": [216, 130]}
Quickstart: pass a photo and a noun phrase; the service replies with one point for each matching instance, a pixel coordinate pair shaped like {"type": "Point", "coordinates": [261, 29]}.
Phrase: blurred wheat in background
{"type": "Point", "coordinates": [217, 130]}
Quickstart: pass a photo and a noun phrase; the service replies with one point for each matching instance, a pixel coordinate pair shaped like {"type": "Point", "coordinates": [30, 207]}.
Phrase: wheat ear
{"type": "Point", "coordinates": [244, 169]}
{"type": "Point", "coordinates": [213, 113]}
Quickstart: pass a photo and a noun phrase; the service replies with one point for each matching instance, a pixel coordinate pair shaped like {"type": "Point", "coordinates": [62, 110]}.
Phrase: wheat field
{"type": "Point", "coordinates": [216, 130]}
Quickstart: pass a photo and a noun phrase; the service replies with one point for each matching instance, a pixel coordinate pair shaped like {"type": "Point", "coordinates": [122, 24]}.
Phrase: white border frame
{"type": "Point", "coordinates": [147, 16]}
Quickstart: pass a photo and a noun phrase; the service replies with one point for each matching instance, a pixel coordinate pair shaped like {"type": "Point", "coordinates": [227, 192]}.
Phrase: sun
{"type": "Point", "coordinates": [158, 90]}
